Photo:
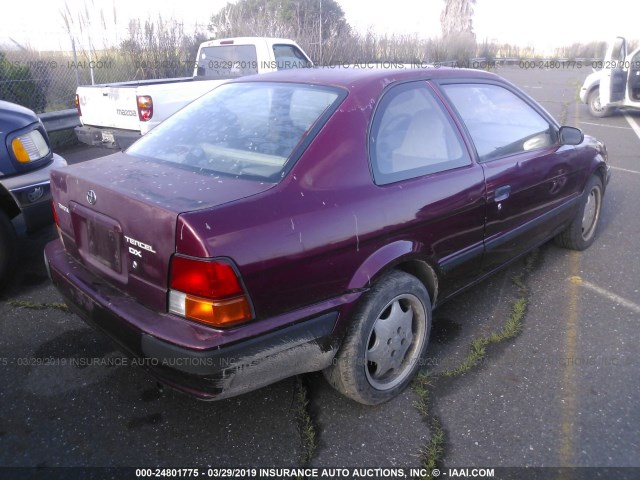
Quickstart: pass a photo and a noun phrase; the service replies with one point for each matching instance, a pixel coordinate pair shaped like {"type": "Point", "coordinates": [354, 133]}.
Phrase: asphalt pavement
{"type": "Point", "coordinates": [564, 391]}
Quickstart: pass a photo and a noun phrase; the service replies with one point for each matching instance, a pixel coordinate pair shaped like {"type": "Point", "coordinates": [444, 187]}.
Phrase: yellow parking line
{"type": "Point", "coordinates": [568, 393]}
{"type": "Point", "coordinates": [634, 307]}
{"type": "Point", "coordinates": [566, 456]}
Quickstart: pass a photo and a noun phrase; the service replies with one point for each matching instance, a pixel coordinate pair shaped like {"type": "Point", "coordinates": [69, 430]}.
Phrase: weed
{"type": "Point", "coordinates": [433, 451]}
{"type": "Point", "coordinates": [306, 427]}
{"type": "Point", "coordinates": [39, 306]}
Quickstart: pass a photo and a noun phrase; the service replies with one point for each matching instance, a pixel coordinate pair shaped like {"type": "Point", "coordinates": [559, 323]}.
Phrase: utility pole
{"type": "Point", "coordinates": [320, 32]}
{"type": "Point", "coordinates": [75, 59]}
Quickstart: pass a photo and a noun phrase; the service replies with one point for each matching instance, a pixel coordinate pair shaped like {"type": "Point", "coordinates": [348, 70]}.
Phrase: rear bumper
{"type": "Point", "coordinates": [106, 137]}
{"type": "Point", "coordinates": [200, 370]}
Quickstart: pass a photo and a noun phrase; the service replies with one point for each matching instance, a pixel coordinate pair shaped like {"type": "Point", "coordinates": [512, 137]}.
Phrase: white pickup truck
{"type": "Point", "coordinates": [617, 84]}
{"type": "Point", "coordinates": [115, 115]}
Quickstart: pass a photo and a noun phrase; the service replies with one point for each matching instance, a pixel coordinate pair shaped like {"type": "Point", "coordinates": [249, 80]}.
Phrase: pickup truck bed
{"type": "Point", "coordinates": [117, 114]}
{"type": "Point", "coordinates": [114, 119]}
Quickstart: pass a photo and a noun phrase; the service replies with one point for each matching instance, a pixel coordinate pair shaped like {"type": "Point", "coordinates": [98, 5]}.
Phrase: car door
{"type": "Point", "coordinates": [531, 180]}
{"type": "Point", "coordinates": [614, 81]}
{"type": "Point", "coordinates": [424, 168]}
{"type": "Point", "coordinates": [634, 80]}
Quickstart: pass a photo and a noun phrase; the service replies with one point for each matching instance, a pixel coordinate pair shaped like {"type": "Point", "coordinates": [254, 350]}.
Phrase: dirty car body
{"type": "Point", "coordinates": [311, 220]}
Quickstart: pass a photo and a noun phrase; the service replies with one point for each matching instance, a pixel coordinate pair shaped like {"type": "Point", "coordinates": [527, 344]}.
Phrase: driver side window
{"type": "Point", "coordinates": [500, 123]}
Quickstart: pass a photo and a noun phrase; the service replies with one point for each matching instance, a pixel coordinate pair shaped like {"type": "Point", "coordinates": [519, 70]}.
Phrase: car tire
{"type": "Point", "coordinates": [385, 341]}
{"type": "Point", "coordinates": [581, 232]}
{"type": "Point", "coordinates": [595, 109]}
{"type": "Point", "coordinates": [8, 249]}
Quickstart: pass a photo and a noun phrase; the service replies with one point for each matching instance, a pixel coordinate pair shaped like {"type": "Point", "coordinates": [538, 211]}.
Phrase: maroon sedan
{"type": "Point", "coordinates": [311, 220]}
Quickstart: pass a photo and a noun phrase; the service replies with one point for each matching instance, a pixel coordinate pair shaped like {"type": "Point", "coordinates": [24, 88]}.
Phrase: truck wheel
{"type": "Point", "coordinates": [595, 109]}
{"type": "Point", "coordinates": [581, 232]}
{"type": "Point", "coordinates": [385, 341]}
{"type": "Point", "coordinates": [8, 249]}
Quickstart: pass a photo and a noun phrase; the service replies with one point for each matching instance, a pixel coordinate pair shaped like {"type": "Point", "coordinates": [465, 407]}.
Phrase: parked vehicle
{"type": "Point", "coordinates": [25, 195]}
{"type": "Point", "coordinates": [115, 115]}
{"type": "Point", "coordinates": [311, 220]}
{"type": "Point", "coordinates": [617, 84]}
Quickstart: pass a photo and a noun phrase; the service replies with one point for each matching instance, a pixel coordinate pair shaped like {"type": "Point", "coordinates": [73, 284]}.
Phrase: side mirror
{"type": "Point", "coordinates": [570, 136]}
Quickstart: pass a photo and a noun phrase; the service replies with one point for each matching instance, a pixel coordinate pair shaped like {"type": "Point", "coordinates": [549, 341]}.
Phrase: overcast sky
{"type": "Point", "coordinates": [544, 24]}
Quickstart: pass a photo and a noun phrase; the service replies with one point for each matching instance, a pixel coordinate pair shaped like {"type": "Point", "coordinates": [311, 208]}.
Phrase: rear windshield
{"type": "Point", "coordinates": [227, 61]}
{"type": "Point", "coordinates": [240, 129]}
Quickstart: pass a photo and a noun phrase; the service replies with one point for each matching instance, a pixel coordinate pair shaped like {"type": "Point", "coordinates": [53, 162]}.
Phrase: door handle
{"type": "Point", "coordinates": [502, 193]}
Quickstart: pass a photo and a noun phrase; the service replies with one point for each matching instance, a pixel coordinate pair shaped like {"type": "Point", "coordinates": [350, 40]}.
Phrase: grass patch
{"type": "Point", "coordinates": [431, 453]}
{"type": "Point", "coordinates": [306, 427]}
{"type": "Point", "coordinates": [511, 328]}
{"type": "Point", "coordinates": [39, 306]}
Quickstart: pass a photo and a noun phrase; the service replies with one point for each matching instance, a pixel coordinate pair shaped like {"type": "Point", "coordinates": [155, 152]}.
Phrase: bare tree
{"type": "Point", "coordinates": [160, 48]}
{"type": "Point", "coordinates": [457, 16]}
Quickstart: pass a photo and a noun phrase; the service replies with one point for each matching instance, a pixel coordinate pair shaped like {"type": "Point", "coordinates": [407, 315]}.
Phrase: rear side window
{"type": "Point", "coordinates": [411, 136]}
{"type": "Point", "coordinates": [240, 129]}
{"type": "Point", "coordinates": [227, 61]}
{"type": "Point", "coordinates": [500, 123]}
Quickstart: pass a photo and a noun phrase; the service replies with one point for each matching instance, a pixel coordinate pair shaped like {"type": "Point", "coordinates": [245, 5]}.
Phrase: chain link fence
{"type": "Point", "coordinates": [46, 80]}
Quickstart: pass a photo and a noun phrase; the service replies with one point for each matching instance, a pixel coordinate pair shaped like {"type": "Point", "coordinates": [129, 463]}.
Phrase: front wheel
{"type": "Point", "coordinates": [581, 232]}
{"type": "Point", "coordinates": [595, 107]}
{"type": "Point", "coordinates": [385, 342]}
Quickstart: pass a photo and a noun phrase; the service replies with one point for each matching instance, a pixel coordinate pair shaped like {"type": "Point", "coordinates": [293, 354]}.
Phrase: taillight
{"type": "Point", "coordinates": [207, 291]}
{"type": "Point", "coordinates": [77, 102]}
{"type": "Point", "coordinates": [56, 220]}
{"type": "Point", "coordinates": [145, 107]}
{"type": "Point", "coordinates": [55, 214]}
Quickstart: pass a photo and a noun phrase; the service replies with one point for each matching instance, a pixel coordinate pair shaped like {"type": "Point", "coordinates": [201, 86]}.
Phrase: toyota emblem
{"type": "Point", "coordinates": [91, 197]}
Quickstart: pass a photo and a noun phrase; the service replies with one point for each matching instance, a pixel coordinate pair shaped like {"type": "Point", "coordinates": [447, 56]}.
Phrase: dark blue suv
{"type": "Point", "coordinates": [25, 196]}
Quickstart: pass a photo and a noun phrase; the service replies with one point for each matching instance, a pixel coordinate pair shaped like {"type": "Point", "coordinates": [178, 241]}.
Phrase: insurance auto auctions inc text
{"type": "Point", "coordinates": [373, 472]}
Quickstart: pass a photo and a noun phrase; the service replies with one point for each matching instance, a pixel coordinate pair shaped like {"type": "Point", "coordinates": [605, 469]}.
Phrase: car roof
{"type": "Point", "coordinates": [353, 77]}
{"type": "Point", "coordinates": [244, 41]}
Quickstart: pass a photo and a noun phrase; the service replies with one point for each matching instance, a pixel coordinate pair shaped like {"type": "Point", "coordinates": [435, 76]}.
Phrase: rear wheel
{"type": "Point", "coordinates": [8, 249]}
{"type": "Point", "coordinates": [595, 107]}
{"type": "Point", "coordinates": [581, 232]}
{"type": "Point", "coordinates": [385, 341]}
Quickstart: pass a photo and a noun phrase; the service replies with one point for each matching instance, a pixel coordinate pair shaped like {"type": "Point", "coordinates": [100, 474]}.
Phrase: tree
{"type": "Point", "coordinates": [160, 49]}
{"type": "Point", "coordinates": [457, 16]}
{"type": "Point", "coordinates": [309, 22]}
{"type": "Point", "coordinates": [457, 29]}
{"type": "Point", "coordinates": [18, 85]}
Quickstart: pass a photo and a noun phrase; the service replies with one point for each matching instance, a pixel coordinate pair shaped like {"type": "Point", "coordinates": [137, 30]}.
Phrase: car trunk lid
{"type": "Point", "coordinates": [118, 216]}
